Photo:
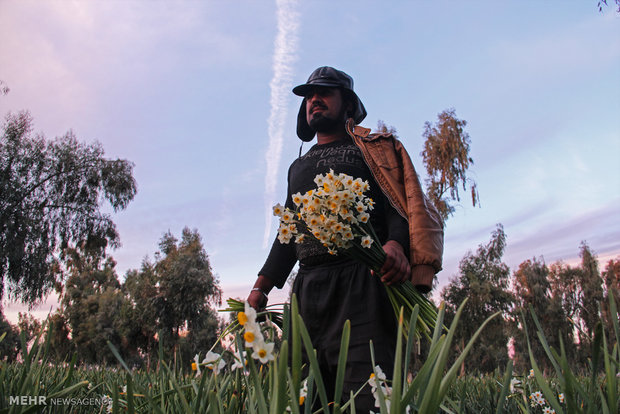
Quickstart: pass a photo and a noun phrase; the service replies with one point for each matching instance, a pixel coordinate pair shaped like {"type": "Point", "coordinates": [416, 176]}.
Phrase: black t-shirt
{"type": "Point", "coordinates": [343, 157]}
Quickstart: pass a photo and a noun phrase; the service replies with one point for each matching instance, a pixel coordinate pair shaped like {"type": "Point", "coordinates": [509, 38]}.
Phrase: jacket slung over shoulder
{"type": "Point", "coordinates": [393, 170]}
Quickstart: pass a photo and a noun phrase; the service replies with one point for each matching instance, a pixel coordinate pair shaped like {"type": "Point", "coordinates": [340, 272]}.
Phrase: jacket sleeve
{"type": "Point", "coordinates": [425, 225]}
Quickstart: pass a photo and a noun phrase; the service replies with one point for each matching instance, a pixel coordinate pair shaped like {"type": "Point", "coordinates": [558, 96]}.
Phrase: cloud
{"type": "Point", "coordinates": [284, 57]}
{"type": "Point", "coordinates": [560, 240]}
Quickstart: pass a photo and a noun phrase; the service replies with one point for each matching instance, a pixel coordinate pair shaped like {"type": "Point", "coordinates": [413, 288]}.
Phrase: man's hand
{"type": "Point", "coordinates": [396, 267]}
{"type": "Point", "coordinates": [258, 295]}
{"type": "Point", "coordinates": [257, 300]}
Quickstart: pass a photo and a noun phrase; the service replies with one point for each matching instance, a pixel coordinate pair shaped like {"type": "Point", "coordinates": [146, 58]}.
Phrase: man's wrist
{"type": "Point", "coordinates": [265, 294]}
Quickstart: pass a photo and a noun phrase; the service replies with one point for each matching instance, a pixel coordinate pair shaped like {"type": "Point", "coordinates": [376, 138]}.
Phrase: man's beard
{"type": "Point", "coordinates": [320, 123]}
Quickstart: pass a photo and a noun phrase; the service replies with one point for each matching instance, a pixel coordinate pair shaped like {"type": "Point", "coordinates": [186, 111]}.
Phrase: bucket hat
{"type": "Point", "coordinates": [329, 77]}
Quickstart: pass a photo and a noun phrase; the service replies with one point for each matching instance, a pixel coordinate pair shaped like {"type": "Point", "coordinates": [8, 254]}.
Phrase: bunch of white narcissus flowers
{"type": "Point", "coordinates": [334, 213]}
{"type": "Point", "coordinates": [253, 336]}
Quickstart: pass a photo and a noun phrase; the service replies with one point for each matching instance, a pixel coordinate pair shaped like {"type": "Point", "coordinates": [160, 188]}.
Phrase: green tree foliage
{"type": "Point", "coordinates": [51, 194]}
{"type": "Point", "coordinates": [28, 325]}
{"type": "Point", "coordinates": [10, 345]}
{"type": "Point", "coordinates": [383, 128]}
{"type": "Point", "coordinates": [591, 293]}
{"type": "Point", "coordinates": [187, 286]}
{"type": "Point", "coordinates": [446, 157]}
{"type": "Point", "coordinates": [61, 345]}
{"type": "Point", "coordinates": [611, 277]}
{"type": "Point", "coordinates": [533, 290]}
{"type": "Point", "coordinates": [91, 302]}
{"type": "Point", "coordinates": [139, 315]}
{"type": "Point", "coordinates": [483, 279]}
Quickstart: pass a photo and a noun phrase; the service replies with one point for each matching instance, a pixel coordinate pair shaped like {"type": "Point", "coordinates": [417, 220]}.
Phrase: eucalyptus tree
{"type": "Point", "coordinates": [90, 302]}
{"type": "Point", "coordinates": [447, 160]}
{"type": "Point", "coordinates": [484, 279]}
{"type": "Point", "coordinates": [187, 287]}
{"type": "Point", "coordinates": [51, 197]}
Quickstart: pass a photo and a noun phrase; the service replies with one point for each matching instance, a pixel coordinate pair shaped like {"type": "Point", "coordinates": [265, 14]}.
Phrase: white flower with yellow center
{"type": "Point", "coordinates": [278, 210]}
{"type": "Point", "coordinates": [196, 365]}
{"type": "Point", "coordinates": [288, 216]}
{"type": "Point", "coordinates": [347, 234]}
{"type": "Point", "coordinates": [252, 335]}
{"type": "Point", "coordinates": [303, 393]}
{"type": "Point", "coordinates": [375, 380]}
{"type": "Point", "coordinates": [548, 410]}
{"type": "Point", "coordinates": [250, 314]}
{"type": "Point", "coordinates": [297, 198]}
{"type": "Point", "coordinates": [364, 217]}
{"type": "Point", "coordinates": [561, 398]}
{"type": "Point", "coordinates": [319, 180]}
{"type": "Point", "coordinates": [348, 196]}
{"type": "Point", "coordinates": [284, 233]}
{"type": "Point", "coordinates": [214, 362]}
{"type": "Point", "coordinates": [263, 352]}
{"type": "Point", "coordinates": [347, 215]}
{"type": "Point", "coordinates": [313, 220]}
{"type": "Point", "coordinates": [367, 242]}
{"type": "Point", "coordinates": [537, 398]}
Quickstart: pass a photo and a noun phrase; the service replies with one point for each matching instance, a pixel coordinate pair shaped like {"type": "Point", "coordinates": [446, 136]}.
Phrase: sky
{"type": "Point", "coordinates": [197, 95]}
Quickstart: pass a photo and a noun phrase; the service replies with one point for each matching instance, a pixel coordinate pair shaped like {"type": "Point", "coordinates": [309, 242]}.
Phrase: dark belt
{"type": "Point", "coordinates": [322, 259]}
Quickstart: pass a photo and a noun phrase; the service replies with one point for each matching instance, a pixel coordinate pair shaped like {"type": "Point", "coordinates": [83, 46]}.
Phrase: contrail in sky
{"type": "Point", "coordinates": [284, 56]}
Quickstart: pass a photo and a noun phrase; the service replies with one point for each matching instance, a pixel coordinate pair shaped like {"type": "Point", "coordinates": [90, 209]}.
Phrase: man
{"type": "Point", "coordinates": [331, 289]}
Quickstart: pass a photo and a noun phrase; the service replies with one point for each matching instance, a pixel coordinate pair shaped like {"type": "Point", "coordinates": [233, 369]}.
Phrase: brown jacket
{"type": "Point", "coordinates": [393, 170]}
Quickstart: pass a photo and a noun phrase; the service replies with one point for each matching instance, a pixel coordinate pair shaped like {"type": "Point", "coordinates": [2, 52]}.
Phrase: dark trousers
{"type": "Point", "coordinates": [328, 295]}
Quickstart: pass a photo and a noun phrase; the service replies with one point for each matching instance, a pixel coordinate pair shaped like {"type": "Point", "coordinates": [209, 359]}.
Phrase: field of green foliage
{"type": "Point", "coordinates": [268, 379]}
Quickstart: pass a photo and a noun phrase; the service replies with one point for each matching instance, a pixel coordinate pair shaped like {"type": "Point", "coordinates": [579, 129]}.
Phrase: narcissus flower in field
{"type": "Point", "coordinates": [548, 410]}
{"type": "Point", "coordinates": [263, 352]}
{"type": "Point", "coordinates": [247, 316]}
{"type": "Point", "coordinates": [242, 318]}
{"type": "Point", "coordinates": [214, 362]}
{"type": "Point", "coordinates": [303, 393]}
{"type": "Point", "coordinates": [537, 398]}
{"type": "Point", "coordinates": [375, 380]}
{"type": "Point", "coordinates": [531, 374]}
{"type": "Point", "coordinates": [561, 398]}
{"type": "Point", "coordinates": [252, 335]}
{"type": "Point", "coordinates": [240, 360]}
{"type": "Point", "coordinates": [196, 365]}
